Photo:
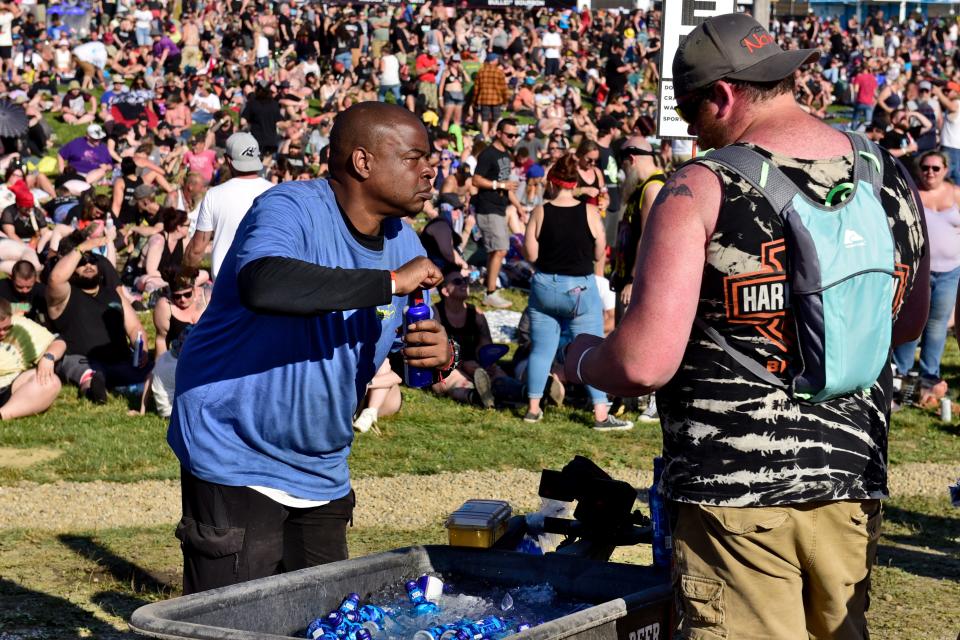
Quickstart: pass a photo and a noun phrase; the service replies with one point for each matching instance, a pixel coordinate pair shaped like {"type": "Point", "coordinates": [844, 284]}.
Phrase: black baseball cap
{"type": "Point", "coordinates": [733, 46]}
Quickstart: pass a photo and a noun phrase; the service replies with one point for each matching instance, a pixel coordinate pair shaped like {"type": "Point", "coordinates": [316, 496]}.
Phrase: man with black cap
{"type": "Point", "coordinates": [774, 500]}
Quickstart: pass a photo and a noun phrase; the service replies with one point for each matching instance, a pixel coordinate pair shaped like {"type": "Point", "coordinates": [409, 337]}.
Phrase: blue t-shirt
{"type": "Point", "coordinates": [268, 400]}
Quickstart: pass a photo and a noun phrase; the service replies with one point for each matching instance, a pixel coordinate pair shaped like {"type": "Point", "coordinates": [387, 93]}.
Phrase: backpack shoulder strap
{"type": "Point", "coordinates": [867, 162]}
{"type": "Point", "coordinates": [762, 174]}
{"type": "Point", "coordinates": [779, 191]}
{"type": "Point", "coordinates": [747, 362]}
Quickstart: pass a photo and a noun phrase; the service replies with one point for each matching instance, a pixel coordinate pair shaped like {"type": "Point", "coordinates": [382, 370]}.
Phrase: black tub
{"type": "Point", "coordinates": [631, 602]}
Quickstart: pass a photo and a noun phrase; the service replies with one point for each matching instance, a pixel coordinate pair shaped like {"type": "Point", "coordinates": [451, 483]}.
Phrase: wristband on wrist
{"type": "Point", "coordinates": [49, 356]}
{"type": "Point", "coordinates": [580, 362]}
{"type": "Point", "coordinates": [496, 185]}
{"type": "Point", "coordinates": [393, 283]}
{"type": "Point", "coordinates": [442, 374]}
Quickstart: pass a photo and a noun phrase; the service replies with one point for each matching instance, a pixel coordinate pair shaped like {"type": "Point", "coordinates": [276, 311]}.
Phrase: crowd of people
{"type": "Point", "coordinates": [528, 112]}
{"type": "Point", "coordinates": [265, 180]}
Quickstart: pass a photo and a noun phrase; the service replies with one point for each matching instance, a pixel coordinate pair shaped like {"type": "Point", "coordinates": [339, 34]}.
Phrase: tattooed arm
{"type": "Point", "coordinates": [646, 349]}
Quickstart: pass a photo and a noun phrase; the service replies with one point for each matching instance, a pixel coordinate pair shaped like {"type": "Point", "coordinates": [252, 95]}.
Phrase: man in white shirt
{"type": "Point", "coordinates": [224, 206]}
{"type": "Point", "coordinates": [205, 104]}
{"type": "Point", "coordinates": [8, 13]}
{"type": "Point", "coordinates": [552, 44]}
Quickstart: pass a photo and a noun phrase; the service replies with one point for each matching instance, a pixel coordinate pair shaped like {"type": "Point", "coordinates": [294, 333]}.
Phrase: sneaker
{"type": "Point", "coordinates": [533, 417]}
{"type": "Point", "coordinates": [650, 413]}
{"type": "Point", "coordinates": [366, 420]}
{"type": "Point", "coordinates": [97, 391]}
{"type": "Point", "coordinates": [496, 300]}
{"type": "Point", "coordinates": [555, 390]}
{"type": "Point", "coordinates": [484, 388]}
{"type": "Point", "coordinates": [612, 423]}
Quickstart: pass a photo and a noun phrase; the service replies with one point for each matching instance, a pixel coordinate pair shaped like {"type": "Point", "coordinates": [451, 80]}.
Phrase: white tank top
{"type": "Point", "coordinates": [391, 71]}
{"type": "Point", "coordinates": [950, 132]}
{"type": "Point", "coordinates": [943, 228]}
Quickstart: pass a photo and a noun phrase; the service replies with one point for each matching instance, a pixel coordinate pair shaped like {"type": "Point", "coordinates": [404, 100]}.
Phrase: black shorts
{"type": "Point", "coordinates": [5, 394]}
{"type": "Point", "coordinates": [490, 113]}
{"type": "Point", "coordinates": [6, 53]}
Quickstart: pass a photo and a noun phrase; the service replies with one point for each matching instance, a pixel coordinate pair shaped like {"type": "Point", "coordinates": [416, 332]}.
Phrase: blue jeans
{"type": "Point", "coordinates": [389, 88]}
{"type": "Point", "coordinates": [143, 37]}
{"type": "Point", "coordinates": [560, 306]}
{"type": "Point", "coordinates": [862, 114]}
{"type": "Point", "coordinates": [943, 297]}
{"type": "Point", "coordinates": [346, 59]}
{"type": "Point", "coordinates": [954, 156]}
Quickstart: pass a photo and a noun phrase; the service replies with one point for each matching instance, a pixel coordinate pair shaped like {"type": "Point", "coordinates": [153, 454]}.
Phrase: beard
{"type": "Point", "coordinates": [631, 181]}
{"type": "Point", "coordinates": [86, 283]}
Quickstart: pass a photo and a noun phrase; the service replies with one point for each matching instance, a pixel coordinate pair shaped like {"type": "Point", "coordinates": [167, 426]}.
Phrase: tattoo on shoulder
{"type": "Point", "coordinates": [669, 190]}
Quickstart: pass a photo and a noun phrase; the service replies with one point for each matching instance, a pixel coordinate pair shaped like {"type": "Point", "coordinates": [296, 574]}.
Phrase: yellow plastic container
{"type": "Point", "coordinates": [478, 523]}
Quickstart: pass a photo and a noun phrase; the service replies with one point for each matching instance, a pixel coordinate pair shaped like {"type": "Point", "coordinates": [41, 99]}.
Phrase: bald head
{"type": "Point", "coordinates": [638, 142]}
{"type": "Point", "coordinates": [364, 125]}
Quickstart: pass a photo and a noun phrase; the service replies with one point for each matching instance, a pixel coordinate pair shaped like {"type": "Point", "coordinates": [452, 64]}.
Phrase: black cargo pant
{"type": "Point", "coordinates": [233, 534]}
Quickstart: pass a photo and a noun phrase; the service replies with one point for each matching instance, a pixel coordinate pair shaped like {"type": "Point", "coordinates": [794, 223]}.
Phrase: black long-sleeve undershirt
{"type": "Point", "coordinates": [294, 287]}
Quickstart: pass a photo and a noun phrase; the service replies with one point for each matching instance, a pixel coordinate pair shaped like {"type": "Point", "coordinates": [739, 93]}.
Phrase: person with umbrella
{"type": "Point", "coordinates": [13, 119]}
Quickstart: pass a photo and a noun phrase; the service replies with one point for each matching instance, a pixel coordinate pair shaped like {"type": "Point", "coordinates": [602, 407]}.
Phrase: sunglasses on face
{"type": "Point", "coordinates": [688, 108]}
{"type": "Point", "coordinates": [182, 295]}
{"type": "Point", "coordinates": [510, 135]}
{"type": "Point", "coordinates": [86, 259]}
{"type": "Point", "coordinates": [634, 151]}
{"type": "Point", "coordinates": [931, 168]}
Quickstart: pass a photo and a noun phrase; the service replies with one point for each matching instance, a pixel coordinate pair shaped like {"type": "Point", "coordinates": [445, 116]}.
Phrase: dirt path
{"type": "Point", "coordinates": [400, 502]}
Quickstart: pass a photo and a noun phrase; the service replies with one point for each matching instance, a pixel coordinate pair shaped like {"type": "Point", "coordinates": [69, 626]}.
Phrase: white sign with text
{"type": "Point", "coordinates": [680, 17]}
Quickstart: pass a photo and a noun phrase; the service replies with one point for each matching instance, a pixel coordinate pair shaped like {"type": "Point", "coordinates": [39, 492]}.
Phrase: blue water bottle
{"type": "Point", "coordinates": [350, 603]}
{"type": "Point", "coordinates": [421, 605]}
{"type": "Point", "coordinates": [416, 376]}
{"type": "Point", "coordinates": [662, 543]}
{"type": "Point", "coordinates": [374, 618]}
{"type": "Point", "coordinates": [138, 349]}
{"type": "Point", "coordinates": [489, 627]}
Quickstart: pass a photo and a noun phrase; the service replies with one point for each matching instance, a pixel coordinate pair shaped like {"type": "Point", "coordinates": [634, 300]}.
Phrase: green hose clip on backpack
{"type": "Point", "coordinates": [841, 276]}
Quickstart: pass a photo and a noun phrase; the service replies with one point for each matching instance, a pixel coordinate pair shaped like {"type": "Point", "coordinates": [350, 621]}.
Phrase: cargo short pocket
{"type": "Point", "coordinates": [744, 520]}
{"type": "Point", "coordinates": [701, 608]}
{"type": "Point", "coordinates": [209, 541]}
{"type": "Point", "coordinates": [867, 517]}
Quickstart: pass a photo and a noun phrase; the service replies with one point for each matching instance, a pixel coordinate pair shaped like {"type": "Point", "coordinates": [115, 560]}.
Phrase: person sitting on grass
{"type": "Point", "coordinates": [383, 398]}
{"type": "Point", "coordinates": [470, 383]}
{"type": "Point", "coordinates": [28, 355]}
{"type": "Point", "coordinates": [24, 221]}
{"type": "Point", "coordinates": [86, 304]}
{"type": "Point", "coordinates": [87, 155]}
{"type": "Point", "coordinates": [24, 292]}
{"type": "Point", "coordinates": [174, 316]}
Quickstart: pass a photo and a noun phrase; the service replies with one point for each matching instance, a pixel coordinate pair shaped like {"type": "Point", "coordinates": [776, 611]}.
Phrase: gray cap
{"type": "Point", "coordinates": [144, 191]}
{"type": "Point", "coordinates": [244, 152]}
{"type": "Point", "coordinates": [925, 85]}
{"type": "Point", "coordinates": [733, 46]}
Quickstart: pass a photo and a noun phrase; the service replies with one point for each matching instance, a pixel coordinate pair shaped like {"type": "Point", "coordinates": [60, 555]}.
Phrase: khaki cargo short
{"type": "Point", "coordinates": [777, 573]}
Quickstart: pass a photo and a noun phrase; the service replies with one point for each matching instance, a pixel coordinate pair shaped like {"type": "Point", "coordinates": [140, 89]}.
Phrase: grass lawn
{"type": "Point", "coordinates": [86, 583]}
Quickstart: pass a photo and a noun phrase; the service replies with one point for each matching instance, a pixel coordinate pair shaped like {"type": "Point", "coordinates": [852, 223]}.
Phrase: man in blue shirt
{"type": "Point", "coordinates": [308, 302]}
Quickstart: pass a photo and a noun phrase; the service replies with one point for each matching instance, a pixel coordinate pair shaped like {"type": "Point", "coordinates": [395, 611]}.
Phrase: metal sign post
{"type": "Point", "coordinates": [680, 17]}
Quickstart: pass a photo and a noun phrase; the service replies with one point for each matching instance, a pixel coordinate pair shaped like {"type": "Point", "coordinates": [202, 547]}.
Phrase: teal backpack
{"type": "Point", "coordinates": [841, 276]}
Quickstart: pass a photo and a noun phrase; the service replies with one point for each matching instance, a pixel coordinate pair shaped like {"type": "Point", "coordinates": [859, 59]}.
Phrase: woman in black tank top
{"type": "Point", "coordinates": [164, 250]}
{"type": "Point", "coordinates": [565, 240]}
{"type": "Point", "coordinates": [181, 308]}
